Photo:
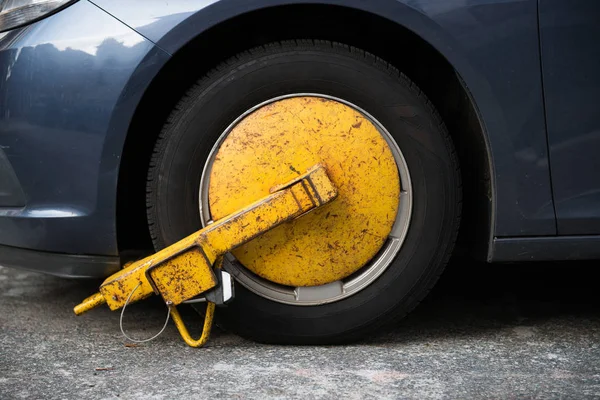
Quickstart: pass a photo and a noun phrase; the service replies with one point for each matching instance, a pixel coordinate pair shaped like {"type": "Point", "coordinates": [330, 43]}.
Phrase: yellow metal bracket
{"type": "Point", "coordinates": [185, 335]}
{"type": "Point", "coordinates": [184, 270]}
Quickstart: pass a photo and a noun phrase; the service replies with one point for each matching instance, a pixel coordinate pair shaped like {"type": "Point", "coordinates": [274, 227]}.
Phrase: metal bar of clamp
{"type": "Point", "coordinates": [184, 270]}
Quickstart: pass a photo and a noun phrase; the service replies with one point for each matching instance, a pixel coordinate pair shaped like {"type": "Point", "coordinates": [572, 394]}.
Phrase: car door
{"type": "Point", "coordinates": [570, 51]}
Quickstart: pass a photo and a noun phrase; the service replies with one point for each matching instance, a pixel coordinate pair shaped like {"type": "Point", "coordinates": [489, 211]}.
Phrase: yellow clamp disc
{"type": "Point", "coordinates": [283, 139]}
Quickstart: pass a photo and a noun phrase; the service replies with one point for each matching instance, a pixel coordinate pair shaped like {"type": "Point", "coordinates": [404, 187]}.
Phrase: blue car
{"type": "Point", "coordinates": [473, 126]}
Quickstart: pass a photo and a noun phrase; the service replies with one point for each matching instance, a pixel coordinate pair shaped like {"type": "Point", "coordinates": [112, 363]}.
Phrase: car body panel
{"type": "Point", "coordinates": [494, 47]}
{"type": "Point", "coordinates": [570, 31]}
{"type": "Point", "coordinates": [63, 80]}
{"type": "Point", "coordinates": [70, 84]}
{"type": "Point", "coordinates": [11, 192]}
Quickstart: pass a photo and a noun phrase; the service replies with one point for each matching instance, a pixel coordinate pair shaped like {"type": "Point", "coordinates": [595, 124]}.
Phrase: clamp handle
{"type": "Point", "coordinates": [185, 334]}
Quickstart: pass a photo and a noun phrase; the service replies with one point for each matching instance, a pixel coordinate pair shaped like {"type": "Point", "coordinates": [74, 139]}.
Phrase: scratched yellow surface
{"type": "Point", "coordinates": [283, 139]}
{"type": "Point", "coordinates": [184, 269]}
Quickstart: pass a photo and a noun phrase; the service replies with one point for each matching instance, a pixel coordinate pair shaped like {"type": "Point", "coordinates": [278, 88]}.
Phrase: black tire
{"type": "Point", "coordinates": [362, 79]}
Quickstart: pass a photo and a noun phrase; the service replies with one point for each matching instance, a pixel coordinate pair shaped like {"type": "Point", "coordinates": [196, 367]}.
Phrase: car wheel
{"type": "Point", "coordinates": [364, 120]}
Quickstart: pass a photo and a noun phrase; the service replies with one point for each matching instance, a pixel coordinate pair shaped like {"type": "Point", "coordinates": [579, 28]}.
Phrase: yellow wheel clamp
{"type": "Point", "coordinates": [191, 267]}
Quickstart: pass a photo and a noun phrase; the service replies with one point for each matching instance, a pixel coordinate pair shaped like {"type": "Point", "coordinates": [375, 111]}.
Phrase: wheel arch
{"type": "Point", "coordinates": [440, 81]}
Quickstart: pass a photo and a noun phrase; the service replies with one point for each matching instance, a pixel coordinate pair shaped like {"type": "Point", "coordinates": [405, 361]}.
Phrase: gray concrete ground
{"type": "Point", "coordinates": [485, 331]}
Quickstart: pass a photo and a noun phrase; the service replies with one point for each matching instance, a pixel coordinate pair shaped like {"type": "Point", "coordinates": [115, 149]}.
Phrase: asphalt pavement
{"type": "Point", "coordinates": [485, 331]}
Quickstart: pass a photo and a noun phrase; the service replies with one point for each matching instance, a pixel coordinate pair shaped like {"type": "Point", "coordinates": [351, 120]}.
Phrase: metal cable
{"type": "Point", "coordinates": [123, 312]}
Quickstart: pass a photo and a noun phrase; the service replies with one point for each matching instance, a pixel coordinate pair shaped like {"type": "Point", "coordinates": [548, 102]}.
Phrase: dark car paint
{"type": "Point", "coordinates": [64, 81]}
{"type": "Point", "coordinates": [11, 192]}
{"type": "Point", "coordinates": [65, 108]}
{"type": "Point", "coordinates": [570, 32]}
{"type": "Point", "coordinates": [494, 47]}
